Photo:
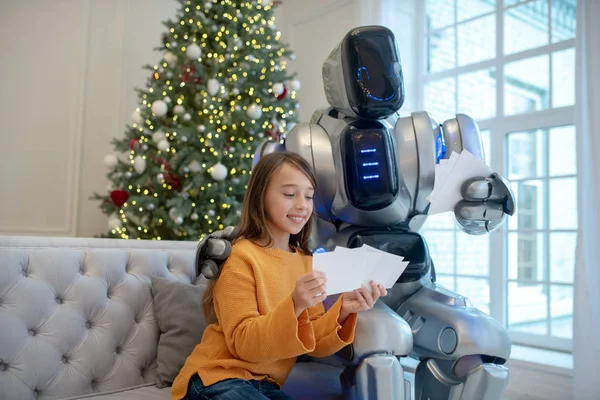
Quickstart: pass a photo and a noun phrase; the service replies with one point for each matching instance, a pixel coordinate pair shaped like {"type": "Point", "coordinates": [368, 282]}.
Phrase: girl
{"type": "Point", "coordinates": [266, 307]}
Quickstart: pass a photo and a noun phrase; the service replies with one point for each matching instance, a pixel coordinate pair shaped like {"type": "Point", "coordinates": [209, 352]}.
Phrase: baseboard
{"type": "Point", "coordinates": [533, 381]}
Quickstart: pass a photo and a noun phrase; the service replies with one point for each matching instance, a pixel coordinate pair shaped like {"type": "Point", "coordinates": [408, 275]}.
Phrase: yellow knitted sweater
{"type": "Point", "coordinates": [257, 335]}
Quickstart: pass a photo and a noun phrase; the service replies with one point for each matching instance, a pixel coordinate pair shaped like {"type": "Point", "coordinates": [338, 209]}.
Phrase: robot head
{"type": "Point", "coordinates": [363, 76]}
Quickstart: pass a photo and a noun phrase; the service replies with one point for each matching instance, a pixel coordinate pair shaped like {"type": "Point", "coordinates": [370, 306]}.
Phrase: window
{"type": "Point", "coordinates": [511, 65]}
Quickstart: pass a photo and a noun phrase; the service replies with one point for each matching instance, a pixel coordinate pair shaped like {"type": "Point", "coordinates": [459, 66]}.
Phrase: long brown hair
{"type": "Point", "coordinates": [253, 220]}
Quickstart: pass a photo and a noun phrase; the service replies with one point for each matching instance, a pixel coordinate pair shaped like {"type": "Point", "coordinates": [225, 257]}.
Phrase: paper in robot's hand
{"type": "Point", "coordinates": [450, 175]}
{"type": "Point", "coordinates": [348, 269]}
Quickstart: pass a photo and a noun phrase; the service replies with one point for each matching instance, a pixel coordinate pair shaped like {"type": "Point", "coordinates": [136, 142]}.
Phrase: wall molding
{"type": "Point", "coordinates": [78, 123]}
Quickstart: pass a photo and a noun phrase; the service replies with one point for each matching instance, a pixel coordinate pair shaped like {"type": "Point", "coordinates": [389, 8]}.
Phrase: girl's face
{"type": "Point", "coordinates": [288, 202]}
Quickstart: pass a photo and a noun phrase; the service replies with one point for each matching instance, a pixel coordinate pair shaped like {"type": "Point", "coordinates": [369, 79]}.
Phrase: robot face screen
{"type": "Point", "coordinates": [369, 164]}
{"type": "Point", "coordinates": [372, 72]}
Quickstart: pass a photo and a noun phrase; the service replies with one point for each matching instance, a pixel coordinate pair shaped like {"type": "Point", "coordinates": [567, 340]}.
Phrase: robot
{"type": "Point", "coordinates": [375, 170]}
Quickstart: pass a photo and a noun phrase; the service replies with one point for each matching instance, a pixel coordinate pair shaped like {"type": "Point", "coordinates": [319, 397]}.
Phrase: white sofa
{"type": "Point", "coordinates": [77, 320]}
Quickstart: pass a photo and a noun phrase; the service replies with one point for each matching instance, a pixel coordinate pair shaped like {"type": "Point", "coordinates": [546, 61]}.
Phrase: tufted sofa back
{"type": "Point", "coordinates": [76, 314]}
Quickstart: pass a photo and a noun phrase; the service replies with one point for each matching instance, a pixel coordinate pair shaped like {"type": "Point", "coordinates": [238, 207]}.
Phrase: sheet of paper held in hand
{"type": "Point", "coordinates": [450, 175]}
{"type": "Point", "coordinates": [348, 269]}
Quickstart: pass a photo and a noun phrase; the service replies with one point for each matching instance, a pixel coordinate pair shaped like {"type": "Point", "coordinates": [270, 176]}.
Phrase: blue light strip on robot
{"type": "Point", "coordinates": [370, 176]}
{"type": "Point", "coordinates": [370, 164]}
{"type": "Point", "coordinates": [368, 150]}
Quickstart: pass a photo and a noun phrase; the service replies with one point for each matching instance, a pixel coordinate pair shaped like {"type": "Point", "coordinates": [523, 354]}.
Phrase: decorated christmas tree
{"type": "Point", "coordinates": [220, 89]}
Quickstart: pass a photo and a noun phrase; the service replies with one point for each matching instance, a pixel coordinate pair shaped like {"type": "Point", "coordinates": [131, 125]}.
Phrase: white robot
{"type": "Point", "coordinates": [375, 170]}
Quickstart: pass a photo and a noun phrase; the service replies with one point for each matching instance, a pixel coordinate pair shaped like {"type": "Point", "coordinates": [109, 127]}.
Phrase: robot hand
{"type": "Point", "coordinates": [213, 250]}
{"type": "Point", "coordinates": [485, 204]}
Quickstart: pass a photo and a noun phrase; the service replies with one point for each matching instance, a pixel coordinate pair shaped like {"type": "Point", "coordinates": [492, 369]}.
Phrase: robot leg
{"type": "Point", "coordinates": [436, 380]}
{"type": "Point", "coordinates": [373, 370]}
{"type": "Point", "coordinates": [461, 349]}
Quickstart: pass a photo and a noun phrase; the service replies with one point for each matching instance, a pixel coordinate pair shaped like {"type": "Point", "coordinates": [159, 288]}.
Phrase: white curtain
{"type": "Point", "coordinates": [586, 324]}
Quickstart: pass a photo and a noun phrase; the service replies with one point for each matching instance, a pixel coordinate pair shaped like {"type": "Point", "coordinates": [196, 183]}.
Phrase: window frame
{"type": "Point", "coordinates": [499, 127]}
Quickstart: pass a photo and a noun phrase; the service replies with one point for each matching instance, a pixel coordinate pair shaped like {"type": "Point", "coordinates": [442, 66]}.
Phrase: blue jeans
{"type": "Point", "coordinates": [234, 389]}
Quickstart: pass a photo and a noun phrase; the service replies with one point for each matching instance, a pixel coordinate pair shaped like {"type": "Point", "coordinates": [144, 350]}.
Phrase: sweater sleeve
{"type": "Point", "coordinates": [249, 335]}
{"type": "Point", "coordinates": [330, 336]}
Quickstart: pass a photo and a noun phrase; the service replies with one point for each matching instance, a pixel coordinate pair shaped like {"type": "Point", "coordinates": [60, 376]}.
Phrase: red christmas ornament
{"type": "Point", "coordinates": [119, 197]}
{"type": "Point", "coordinates": [273, 133]}
{"type": "Point", "coordinates": [133, 143]}
{"type": "Point", "coordinates": [164, 163]}
{"type": "Point", "coordinates": [189, 75]}
{"type": "Point", "coordinates": [282, 95]}
{"type": "Point", "coordinates": [173, 180]}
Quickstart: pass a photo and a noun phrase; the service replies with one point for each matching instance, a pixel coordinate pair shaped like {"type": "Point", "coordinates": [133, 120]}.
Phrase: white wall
{"type": "Point", "coordinates": [67, 79]}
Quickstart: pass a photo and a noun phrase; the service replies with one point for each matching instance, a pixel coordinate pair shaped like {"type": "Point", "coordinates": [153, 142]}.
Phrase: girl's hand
{"type": "Point", "coordinates": [310, 290]}
{"type": "Point", "coordinates": [360, 300]}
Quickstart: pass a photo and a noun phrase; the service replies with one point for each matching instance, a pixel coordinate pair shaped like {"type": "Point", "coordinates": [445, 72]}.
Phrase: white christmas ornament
{"type": "Point", "coordinates": [159, 108]}
{"type": "Point", "coordinates": [158, 136]}
{"type": "Point", "coordinates": [139, 164]}
{"type": "Point", "coordinates": [213, 86]}
{"type": "Point", "coordinates": [184, 139]}
{"type": "Point", "coordinates": [201, 128]}
{"type": "Point", "coordinates": [170, 58]}
{"type": "Point", "coordinates": [193, 51]}
{"type": "Point", "coordinates": [195, 166]}
{"type": "Point", "coordinates": [218, 172]}
{"type": "Point", "coordinates": [167, 99]}
{"type": "Point", "coordinates": [254, 111]}
{"type": "Point", "coordinates": [150, 206]}
{"type": "Point", "coordinates": [194, 217]}
{"type": "Point", "coordinates": [295, 85]}
{"type": "Point", "coordinates": [128, 174]}
{"type": "Point", "coordinates": [186, 117]}
{"type": "Point", "coordinates": [278, 89]}
{"type": "Point", "coordinates": [211, 213]}
{"type": "Point", "coordinates": [137, 118]}
{"type": "Point", "coordinates": [235, 91]}
{"type": "Point", "coordinates": [208, 5]}
{"type": "Point", "coordinates": [163, 145]}
{"type": "Point", "coordinates": [179, 109]}
{"type": "Point", "coordinates": [250, 57]}
{"type": "Point", "coordinates": [174, 45]}
{"type": "Point", "coordinates": [114, 222]}
{"type": "Point", "coordinates": [160, 177]}
{"type": "Point", "coordinates": [176, 216]}
{"type": "Point", "coordinates": [111, 161]}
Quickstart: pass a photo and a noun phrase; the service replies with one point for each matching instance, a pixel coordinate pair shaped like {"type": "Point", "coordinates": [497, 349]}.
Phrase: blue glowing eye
{"type": "Point", "coordinates": [370, 164]}
{"type": "Point", "coordinates": [370, 176]}
{"type": "Point", "coordinates": [319, 250]}
{"type": "Point", "coordinates": [368, 150]}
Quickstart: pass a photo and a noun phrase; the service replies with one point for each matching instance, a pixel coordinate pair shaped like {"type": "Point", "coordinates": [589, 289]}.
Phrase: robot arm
{"type": "Point", "coordinates": [487, 200]}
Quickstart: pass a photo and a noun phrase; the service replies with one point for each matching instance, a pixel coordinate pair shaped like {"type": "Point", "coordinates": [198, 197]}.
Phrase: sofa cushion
{"type": "Point", "coordinates": [77, 318]}
{"type": "Point", "coordinates": [178, 312]}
